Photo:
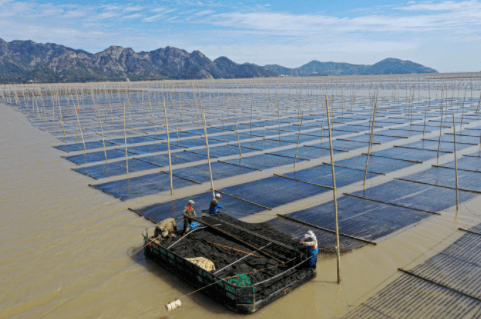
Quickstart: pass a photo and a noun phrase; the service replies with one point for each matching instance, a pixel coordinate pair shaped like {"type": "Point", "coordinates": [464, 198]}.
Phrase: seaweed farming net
{"type": "Point", "coordinates": [263, 161]}
{"type": "Point", "coordinates": [415, 195]}
{"type": "Point", "coordinates": [361, 218]}
{"type": "Point", "coordinates": [410, 297]}
{"type": "Point", "coordinates": [273, 191]}
{"type": "Point", "coordinates": [233, 206]}
{"type": "Point", "coordinates": [200, 173]}
{"type": "Point", "coordinates": [322, 175]}
{"type": "Point", "coordinates": [306, 152]}
{"type": "Point", "coordinates": [408, 154]}
{"type": "Point", "coordinates": [375, 164]}
{"type": "Point", "coordinates": [447, 285]}
{"type": "Point", "coordinates": [142, 185]}
{"type": "Point", "coordinates": [115, 168]}
{"type": "Point", "coordinates": [446, 177]}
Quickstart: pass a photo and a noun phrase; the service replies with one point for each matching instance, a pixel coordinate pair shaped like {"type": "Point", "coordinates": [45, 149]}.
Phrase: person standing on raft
{"type": "Point", "coordinates": [214, 204]}
{"type": "Point", "coordinates": [188, 212]}
{"type": "Point", "coordinates": [310, 241]}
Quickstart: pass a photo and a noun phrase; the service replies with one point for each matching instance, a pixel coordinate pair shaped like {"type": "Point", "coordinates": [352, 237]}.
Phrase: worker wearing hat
{"type": "Point", "coordinates": [188, 212]}
{"type": "Point", "coordinates": [214, 204]}
{"type": "Point", "coordinates": [310, 241]}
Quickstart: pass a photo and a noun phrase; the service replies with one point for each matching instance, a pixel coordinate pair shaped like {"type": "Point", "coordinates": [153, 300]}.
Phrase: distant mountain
{"type": "Point", "coordinates": [246, 70]}
{"type": "Point", "coordinates": [24, 61]}
{"type": "Point", "coordinates": [27, 61]}
{"type": "Point", "coordinates": [386, 66]}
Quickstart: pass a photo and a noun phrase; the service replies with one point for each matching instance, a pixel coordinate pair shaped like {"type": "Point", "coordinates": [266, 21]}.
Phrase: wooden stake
{"type": "Point", "coordinates": [335, 196]}
{"type": "Point", "coordinates": [103, 140]}
{"type": "Point", "coordinates": [298, 140]}
{"type": "Point", "coordinates": [440, 131]}
{"type": "Point", "coordinates": [322, 129]}
{"type": "Point", "coordinates": [126, 154]}
{"type": "Point", "coordinates": [371, 141]}
{"type": "Point", "coordinates": [236, 130]}
{"type": "Point", "coordinates": [456, 170]}
{"type": "Point", "coordinates": [168, 147]}
{"type": "Point", "coordinates": [81, 133]}
{"type": "Point", "coordinates": [424, 129]}
{"type": "Point", "coordinates": [152, 115]}
{"type": "Point", "coordinates": [208, 156]}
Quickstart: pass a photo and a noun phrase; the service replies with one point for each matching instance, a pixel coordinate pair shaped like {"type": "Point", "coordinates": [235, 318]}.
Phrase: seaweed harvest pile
{"type": "Point", "coordinates": [254, 277]}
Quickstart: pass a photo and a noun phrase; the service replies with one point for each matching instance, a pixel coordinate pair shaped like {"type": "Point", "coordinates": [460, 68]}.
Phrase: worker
{"type": "Point", "coordinates": [310, 241]}
{"type": "Point", "coordinates": [166, 228]}
{"type": "Point", "coordinates": [214, 204]}
{"type": "Point", "coordinates": [188, 212]}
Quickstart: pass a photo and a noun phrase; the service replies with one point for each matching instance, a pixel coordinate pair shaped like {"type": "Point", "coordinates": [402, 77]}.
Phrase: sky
{"type": "Point", "coordinates": [444, 35]}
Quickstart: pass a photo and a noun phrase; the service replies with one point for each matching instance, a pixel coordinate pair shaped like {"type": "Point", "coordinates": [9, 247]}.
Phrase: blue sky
{"type": "Point", "coordinates": [445, 35]}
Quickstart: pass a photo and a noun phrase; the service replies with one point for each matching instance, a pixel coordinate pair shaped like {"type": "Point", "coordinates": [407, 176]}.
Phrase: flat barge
{"type": "Point", "coordinates": [251, 265]}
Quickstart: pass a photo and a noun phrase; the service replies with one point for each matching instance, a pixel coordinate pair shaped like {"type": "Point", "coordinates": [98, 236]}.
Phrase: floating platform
{"type": "Point", "coordinates": [252, 269]}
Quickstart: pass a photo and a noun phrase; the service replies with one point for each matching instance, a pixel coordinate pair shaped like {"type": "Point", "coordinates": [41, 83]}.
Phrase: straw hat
{"type": "Point", "coordinates": [191, 202]}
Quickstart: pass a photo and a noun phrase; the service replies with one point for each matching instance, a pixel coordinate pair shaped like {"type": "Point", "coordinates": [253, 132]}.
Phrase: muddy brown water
{"type": "Point", "coordinates": [70, 251]}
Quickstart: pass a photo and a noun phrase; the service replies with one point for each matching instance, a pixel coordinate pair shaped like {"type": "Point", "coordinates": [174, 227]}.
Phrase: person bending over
{"type": "Point", "coordinates": [166, 228]}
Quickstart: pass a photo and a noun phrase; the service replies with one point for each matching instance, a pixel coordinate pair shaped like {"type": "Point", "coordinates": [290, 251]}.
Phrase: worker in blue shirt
{"type": "Point", "coordinates": [310, 241]}
{"type": "Point", "coordinates": [214, 204]}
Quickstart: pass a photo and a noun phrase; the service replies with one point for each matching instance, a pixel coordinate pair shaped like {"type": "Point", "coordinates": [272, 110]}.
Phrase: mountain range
{"type": "Point", "coordinates": [27, 61]}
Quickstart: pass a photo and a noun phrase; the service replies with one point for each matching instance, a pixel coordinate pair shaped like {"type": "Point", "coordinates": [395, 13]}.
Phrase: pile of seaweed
{"type": "Point", "coordinates": [223, 250]}
{"type": "Point", "coordinates": [263, 229]}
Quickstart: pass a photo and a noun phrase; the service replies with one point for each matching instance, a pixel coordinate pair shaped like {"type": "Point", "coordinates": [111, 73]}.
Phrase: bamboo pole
{"type": "Point", "coordinates": [175, 119]}
{"type": "Point", "coordinates": [335, 196]}
{"type": "Point", "coordinates": [103, 140]}
{"type": "Point", "coordinates": [168, 147]}
{"type": "Point", "coordinates": [440, 130]}
{"type": "Point", "coordinates": [322, 129]}
{"type": "Point", "coordinates": [152, 115]}
{"type": "Point", "coordinates": [456, 170]}
{"type": "Point", "coordinates": [79, 126]}
{"type": "Point", "coordinates": [424, 128]}
{"type": "Point", "coordinates": [298, 140]}
{"type": "Point", "coordinates": [236, 130]}
{"type": "Point", "coordinates": [126, 154]}
{"type": "Point", "coordinates": [208, 155]}
{"type": "Point", "coordinates": [462, 114]}
{"type": "Point", "coordinates": [371, 142]}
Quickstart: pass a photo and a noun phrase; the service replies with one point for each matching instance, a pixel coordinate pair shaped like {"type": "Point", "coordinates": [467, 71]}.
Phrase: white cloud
{"type": "Point", "coordinates": [133, 8]}
{"type": "Point", "coordinates": [203, 13]}
{"type": "Point", "coordinates": [463, 17]}
{"type": "Point", "coordinates": [71, 14]}
{"type": "Point", "coordinates": [132, 16]}
{"type": "Point", "coordinates": [443, 6]}
{"type": "Point", "coordinates": [154, 18]}
{"type": "Point", "coordinates": [158, 9]}
{"type": "Point", "coordinates": [111, 7]}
